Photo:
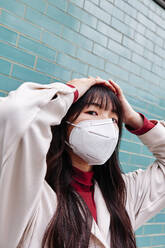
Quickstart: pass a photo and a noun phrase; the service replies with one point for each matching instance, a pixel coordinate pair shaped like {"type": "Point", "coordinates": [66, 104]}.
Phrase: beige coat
{"type": "Point", "coordinates": [27, 202]}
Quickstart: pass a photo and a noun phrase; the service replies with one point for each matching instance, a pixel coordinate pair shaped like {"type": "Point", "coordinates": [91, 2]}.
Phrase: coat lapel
{"type": "Point", "coordinates": [101, 228]}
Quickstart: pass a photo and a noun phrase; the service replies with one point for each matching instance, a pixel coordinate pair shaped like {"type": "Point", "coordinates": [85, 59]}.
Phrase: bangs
{"type": "Point", "coordinates": [98, 95]}
{"type": "Point", "coordinates": [103, 97]}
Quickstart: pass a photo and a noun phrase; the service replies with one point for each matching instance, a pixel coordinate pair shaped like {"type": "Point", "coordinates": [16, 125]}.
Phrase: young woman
{"type": "Point", "coordinates": [60, 181]}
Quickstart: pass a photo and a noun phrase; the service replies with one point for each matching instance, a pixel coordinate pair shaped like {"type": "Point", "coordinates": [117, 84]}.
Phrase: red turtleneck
{"type": "Point", "coordinates": [83, 184]}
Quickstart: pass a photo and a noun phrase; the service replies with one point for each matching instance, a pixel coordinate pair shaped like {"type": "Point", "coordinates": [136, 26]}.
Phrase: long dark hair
{"type": "Point", "coordinates": [70, 227]}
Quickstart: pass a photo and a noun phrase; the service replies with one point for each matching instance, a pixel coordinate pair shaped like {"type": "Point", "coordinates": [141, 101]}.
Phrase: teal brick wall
{"type": "Point", "coordinates": [56, 40]}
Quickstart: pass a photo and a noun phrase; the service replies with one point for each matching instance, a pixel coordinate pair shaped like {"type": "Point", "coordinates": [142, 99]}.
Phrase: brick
{"type": "Point", "coordinates": [117, 13]}
{"type": "Point", "coordinates": [43, 21]}
{"type": "Point", "coordinates": [76, 75]}
{"type": "Point", "coordinates": [105, 53]}
{"type": "Point", "coordinates": [122, 27]}
{"type": "Point", "coordinates": [95, 2]}
{"type": "Point", "coordinates": [94, 72]}
{"type": "Point", "coordinates": [162, 14]}
{"type": "Point", "coordinates": [147, 94]}
{"type": "Point", "coordinates": [152, 6]}
{"type": "Point", "coordinates": [159, 10]}
{"type": "Point", "coordinates": [154, 37]}
{"type": "Point", "coordinates": [27, 75]}
{"type": "Point", "coordinates": [140, 160]}
{"type": "Point", "coordinates": [156, 18]}
{"type": "Point", "coordinates": [19, 25]}
{"type": "Point", "coordinates": [141, 61]}
{"type": "Point", "coordinates": [77, 38]}
{"type": "Point", "coordinates": [37, 48]}
{"type": "Point", "coordinates": [107, 6]}
{"type": "Point", "coordinates": [139, 231]}
{"type": "Point", "coordinates": [160, 32]}
{"type": "Point", "coordinates": [147, 22]}
{"type": "Point", "coordinates": [39, 5]}
{"type": "Point", "coordinates": [137, 102]}
{"type": "Point", "coordinates": [163, 63]}
{"type": "Point", "coordinates": [126, 8]}
{"type": "Point", "coordinates": [124, 157]}
{"type": "Point", "coordinates": [119, 49]}
{"type": "Point", "coordinates": [128, 88]}
{"type": "Point", "coordinates": [82, 15]}
{"type": "Point", "coordinates": [8, 35]}
{"type": "Point", "coordinates": [53, 69]}
{"type": "Point", "coordinates": [4, 66]}
{"type": "Point", "coordinates": [143, 241]}
{"type": "Point", "coordinates": [160, 51]}
{"type": "Point", "coordinates": [140, 82]}
{"type": "Point", "coordinates": [109, 31]}
{"type": "Point", "coordinates": [90, 58]}
{"type": "Point", "coordinates": [139, 7]}
{"type": "Point", "coordinates": [117, 71]}
{"type": "Point", "coordinates": [130, 22]}
{"type": "Point", "coordinates": [8, 83]}
{"type": "Point", "coordinates": [146, 151]}
{"type": "Point", "coordinates": [158, 70]}
{"type": "Point", "coordinates": [127, 168]}
{"type": "Point", "coordinates": [141, 28]}
{"type": "Point", "coordinates": [152, 57]}
{"type": "Point", "coordinates": [160, 218]}
{"type": "Point", "coordinates": [62, 4]}
{"type": "Point", "coordinates": [58, 43]}
{"type": "Point", "coordinates": [129, 65]}
{"type": "Point", "coordinates": [13, 6]}
{"type": "Point", "coordinates": [97, 11]}
{"type": "Point", "coordinates": [80, 3]}
{"type": "Point", "coordinates": [156, 109]}
{"type": "Point", "coordinates": [63, 18]}
{"type": "Point", "coordinates": [17, 55]}
{"type": "Point", "coordinates": [93, 34]}
{"type": "Point", "coordinates": [158, 240]}
{"type": "Point", "coordinates": [72, 63]}
{"type": "Point", "coordinates": [133, 45]}
{"type": "Point", "coordinates": [144, 41]}
{"type": "Point", "coordinates": [130, 146]}
{"type": "Point", "coordinates": [149, 76]}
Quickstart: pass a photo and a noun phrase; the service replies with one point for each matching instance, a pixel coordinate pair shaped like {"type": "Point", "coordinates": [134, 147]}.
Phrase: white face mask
{"type": "Point", "coordinates": [94, 140]}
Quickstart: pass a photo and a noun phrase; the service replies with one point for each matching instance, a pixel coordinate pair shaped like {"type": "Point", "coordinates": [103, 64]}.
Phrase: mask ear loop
{"type": "Point", "coordinates": [72, 124]}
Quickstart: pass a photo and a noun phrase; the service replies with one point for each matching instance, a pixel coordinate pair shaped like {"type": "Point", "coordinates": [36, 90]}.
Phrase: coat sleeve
{"type": "Point", "coordinates": [26, 115]}
{"type": "Point", "coordinates": [146, 188]}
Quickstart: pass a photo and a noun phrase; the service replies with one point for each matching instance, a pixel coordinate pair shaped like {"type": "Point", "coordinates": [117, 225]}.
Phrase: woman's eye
{"type": "Point", "coordinates": [92, 112]}
{"type": "Point", "coordinates": [115, 120]}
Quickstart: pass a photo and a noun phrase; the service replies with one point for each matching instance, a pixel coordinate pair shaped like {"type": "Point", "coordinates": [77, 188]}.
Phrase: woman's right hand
{"type": "Point", "coordinates": [83, 84]}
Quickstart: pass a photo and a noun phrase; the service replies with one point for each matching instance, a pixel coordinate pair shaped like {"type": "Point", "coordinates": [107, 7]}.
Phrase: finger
{"type": "Point", "coordinates": [106, 83]}
{"type": "Point", "coordinates": [73, 80]}
{"type": "Point", "coordinates": [116, 86]}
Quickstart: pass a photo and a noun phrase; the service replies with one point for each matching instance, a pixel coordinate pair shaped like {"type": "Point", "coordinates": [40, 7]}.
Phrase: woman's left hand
{"type": "Point", "coordinates": [130, 116]}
